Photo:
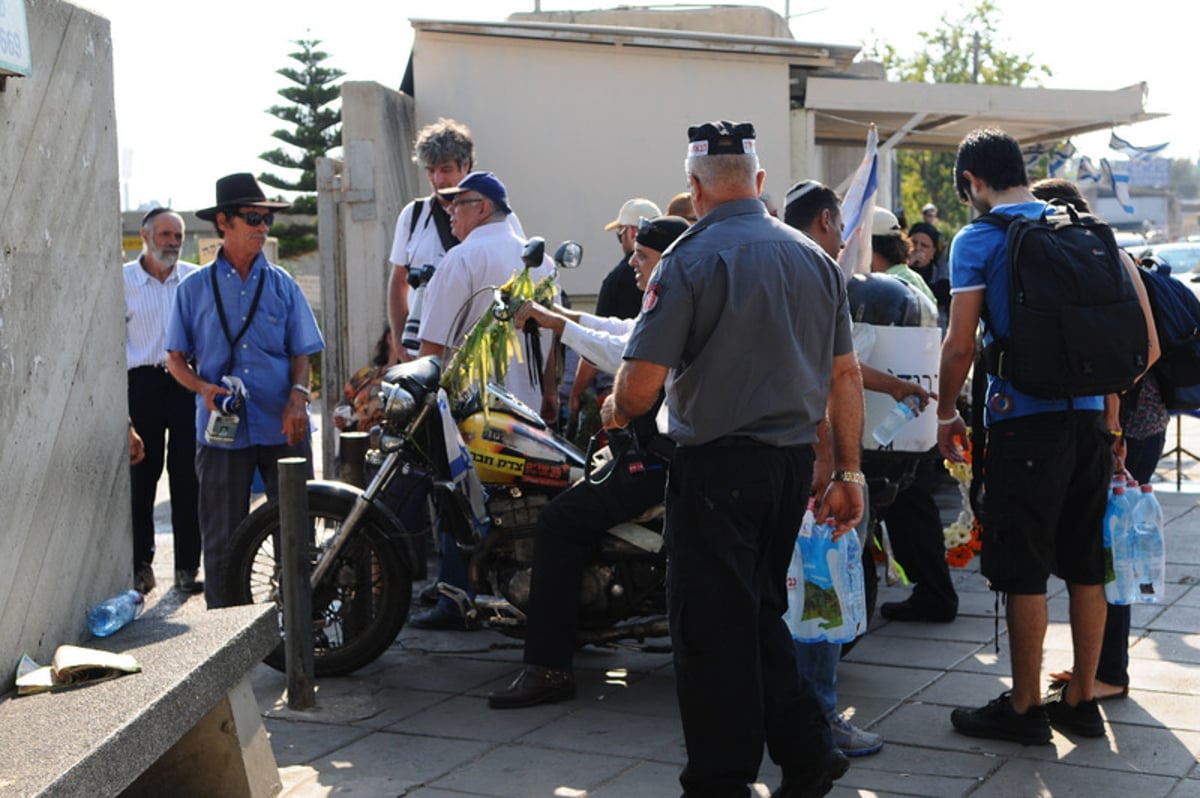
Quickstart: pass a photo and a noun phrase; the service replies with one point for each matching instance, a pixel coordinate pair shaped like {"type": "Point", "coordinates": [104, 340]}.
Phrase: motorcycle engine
{"type": "Point", "coordinates": [508, 552]}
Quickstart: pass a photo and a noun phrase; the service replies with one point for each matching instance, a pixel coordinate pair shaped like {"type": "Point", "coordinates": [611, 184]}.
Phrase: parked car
{"type": "Point", "coordinates": [1182, 257]}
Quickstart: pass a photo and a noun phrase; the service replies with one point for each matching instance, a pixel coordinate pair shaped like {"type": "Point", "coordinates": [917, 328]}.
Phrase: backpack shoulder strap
{"type": "Point", "coordinates": [418, 206]}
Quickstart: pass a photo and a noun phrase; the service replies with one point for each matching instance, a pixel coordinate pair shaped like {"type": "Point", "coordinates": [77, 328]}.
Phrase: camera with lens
{"type": "Point", "coordinates": [420, 275]}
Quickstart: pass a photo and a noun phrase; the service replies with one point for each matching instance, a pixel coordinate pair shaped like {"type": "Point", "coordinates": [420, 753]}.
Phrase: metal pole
{"type": "Point", "coordinates": [295, 543]}
{"type": "Point", "coordinates": [353, 454]}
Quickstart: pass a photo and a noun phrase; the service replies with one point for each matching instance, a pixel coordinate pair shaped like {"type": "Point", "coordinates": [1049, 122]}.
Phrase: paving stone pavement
{"type": "Point", "coordinates": [415, 723]}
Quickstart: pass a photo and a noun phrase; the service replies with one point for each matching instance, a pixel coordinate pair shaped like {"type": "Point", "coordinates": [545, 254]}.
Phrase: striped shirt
{"type": "Point", "coordinates": [148, 304]}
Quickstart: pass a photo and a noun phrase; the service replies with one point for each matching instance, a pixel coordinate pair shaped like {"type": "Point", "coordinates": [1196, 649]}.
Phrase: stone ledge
{"type": "Point", "coordinates": [98, 739]}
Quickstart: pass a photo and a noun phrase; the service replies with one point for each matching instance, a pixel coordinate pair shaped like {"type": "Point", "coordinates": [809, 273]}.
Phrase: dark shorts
{"type": "Point", "coordinates": [1046, 478]}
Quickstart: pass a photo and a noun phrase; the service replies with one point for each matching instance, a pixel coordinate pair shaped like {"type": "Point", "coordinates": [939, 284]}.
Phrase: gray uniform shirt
{"type": "Point", "coordinates": [748, 314]}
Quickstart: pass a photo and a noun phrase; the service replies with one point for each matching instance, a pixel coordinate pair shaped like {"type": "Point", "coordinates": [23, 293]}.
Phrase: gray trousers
{"type": "Point", "coordinates": [225, 477]}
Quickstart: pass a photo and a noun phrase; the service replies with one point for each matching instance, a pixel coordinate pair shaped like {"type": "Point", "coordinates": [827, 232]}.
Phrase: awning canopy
{"type": "Point", "coordinates": [938, 115]}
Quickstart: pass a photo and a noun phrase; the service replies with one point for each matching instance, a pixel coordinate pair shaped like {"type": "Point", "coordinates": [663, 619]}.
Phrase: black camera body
{"type": "Point", "coordinates": [420, 275]}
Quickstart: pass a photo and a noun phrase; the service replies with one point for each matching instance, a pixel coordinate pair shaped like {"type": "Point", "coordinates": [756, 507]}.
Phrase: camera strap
{"type": "Point", "coordinates": [233, 340]}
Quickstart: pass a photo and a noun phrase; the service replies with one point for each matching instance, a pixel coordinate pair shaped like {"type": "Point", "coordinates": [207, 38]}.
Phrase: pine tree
{"type": "Point", "coordinates": [316, 127]}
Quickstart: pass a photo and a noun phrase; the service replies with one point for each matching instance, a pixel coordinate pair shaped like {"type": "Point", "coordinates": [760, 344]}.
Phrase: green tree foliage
{"type": "Point", "coordinates": [965, 50]}
{"type": "Point", "coordinates": [316, 128]}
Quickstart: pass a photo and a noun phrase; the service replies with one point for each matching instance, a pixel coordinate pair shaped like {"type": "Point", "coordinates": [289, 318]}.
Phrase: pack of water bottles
{"type": "Point", "coordinates": [1134, 545]}
{"type": "Point", "coordinates": [825, 585]}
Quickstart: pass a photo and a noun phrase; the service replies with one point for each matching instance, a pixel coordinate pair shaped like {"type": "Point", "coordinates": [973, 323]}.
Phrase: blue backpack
{"type": "Point", "coordinates": [1177, 321]}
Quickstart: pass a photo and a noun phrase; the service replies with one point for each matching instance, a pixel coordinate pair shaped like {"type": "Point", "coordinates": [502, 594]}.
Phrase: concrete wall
{"type": "Point", "coordinates": [575, 129]}
{"type": "Point", "coordinates": [65, 539]}
{"type": "Point", "coordinates": [359, 200]}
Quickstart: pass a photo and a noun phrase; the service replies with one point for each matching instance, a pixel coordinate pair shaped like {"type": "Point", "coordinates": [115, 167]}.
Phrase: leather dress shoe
{"type": "Point", "coordinates": [830, 766]}
{"type": "Point", "coordinates": [444, 616]}
{"type": "Point", "coordinates": [534, 685]}
{"type": "Point", "coordinates": [909, 610]}
{"type": "Point", "coordinates": [186, 582]}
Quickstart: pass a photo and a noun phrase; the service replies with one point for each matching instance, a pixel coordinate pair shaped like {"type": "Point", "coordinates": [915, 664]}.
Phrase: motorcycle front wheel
{"type": "Point", "coordinates": [360, 606]}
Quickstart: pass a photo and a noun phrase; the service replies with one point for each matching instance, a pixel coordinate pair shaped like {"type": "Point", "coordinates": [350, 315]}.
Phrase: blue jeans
{"type": "Point", "coordinates": [818, 663]}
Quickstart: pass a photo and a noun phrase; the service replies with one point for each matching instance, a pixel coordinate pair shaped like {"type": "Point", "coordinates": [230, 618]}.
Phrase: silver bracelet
{"type": "Point", "coordinates": [945, 422]}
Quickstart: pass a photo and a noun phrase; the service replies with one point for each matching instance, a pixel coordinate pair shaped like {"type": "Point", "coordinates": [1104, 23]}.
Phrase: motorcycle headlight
{"type": "Point", "coordinates": [398, 406]}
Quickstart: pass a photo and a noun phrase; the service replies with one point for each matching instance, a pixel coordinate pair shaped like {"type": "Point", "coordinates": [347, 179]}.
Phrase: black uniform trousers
{"type": "Point", "coordinates": [160, 407]}
{"type": "Point", "coordinates": [915, 528]}
{"type": "Point", "coordinates": [733, 512]}
{"type": "Point", "coordinates": [568, 533]}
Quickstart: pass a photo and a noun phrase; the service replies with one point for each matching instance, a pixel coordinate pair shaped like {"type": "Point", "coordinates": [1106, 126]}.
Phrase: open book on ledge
{"type": "Point", "coordinates": [72, 666]}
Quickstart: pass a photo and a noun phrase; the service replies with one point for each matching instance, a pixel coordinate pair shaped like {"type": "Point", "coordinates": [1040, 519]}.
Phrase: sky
{"type": "Point", "coordinates": [193, 79]}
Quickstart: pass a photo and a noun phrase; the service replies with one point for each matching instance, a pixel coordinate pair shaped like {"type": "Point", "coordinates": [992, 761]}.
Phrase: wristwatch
{"type": "Point", "coordinates": [856, 477]}
{"type": "Point", "coordinates": [302, 389]}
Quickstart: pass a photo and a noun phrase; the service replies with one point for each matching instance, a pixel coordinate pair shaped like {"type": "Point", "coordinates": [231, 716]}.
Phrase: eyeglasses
{"type": "Point", "coordinates": [468, 201]}
{"type": "Point", "coordinates": [254, 218]}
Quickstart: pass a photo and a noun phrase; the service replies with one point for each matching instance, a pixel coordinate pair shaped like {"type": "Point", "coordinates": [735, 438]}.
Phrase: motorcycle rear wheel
{"type": "Point", "coordinates": [357, 611]}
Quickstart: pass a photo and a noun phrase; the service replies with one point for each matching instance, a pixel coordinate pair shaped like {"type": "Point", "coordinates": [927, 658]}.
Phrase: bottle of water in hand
{"type": "Point", "coordinates": [1118, 578]}
{"type": "Point", "coordinates": [904, 411]}
{"type": "Point", "coordinates": [110, 615]}
{"type": "Point", "coordinates": [1147, 549]}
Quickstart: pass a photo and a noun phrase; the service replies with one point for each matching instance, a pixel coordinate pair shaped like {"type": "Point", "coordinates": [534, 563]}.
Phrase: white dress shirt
{"type": "Point", "coordinates": [148, 304]}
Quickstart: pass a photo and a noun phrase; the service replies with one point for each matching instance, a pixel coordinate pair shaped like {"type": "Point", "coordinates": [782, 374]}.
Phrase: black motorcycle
{"type": "Point", "coordinates": [363, 556]}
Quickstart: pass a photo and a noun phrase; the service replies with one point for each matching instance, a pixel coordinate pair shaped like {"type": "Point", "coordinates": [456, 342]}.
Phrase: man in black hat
{"type": "Point", "coordinates": [158, 405]}
{"type": "Point", "coordinates": [240, 334]}
{"type": "Point", "coordinates": [740, 477]}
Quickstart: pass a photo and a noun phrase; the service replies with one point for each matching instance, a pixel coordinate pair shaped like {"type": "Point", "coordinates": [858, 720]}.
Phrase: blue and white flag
{"type": "Point", "coordinates": [1033, 153]}
{"type": "Point", "coordinates": [1119, 185]}
{"type": "Point", "coordinates": [1060, 157]}
{"type": "Point", "coordinates": [1122, 146]}
{"type": "Point", "coordinates": [462, 468]}
{"type": "Point", "coordinates": [1087, 171]}
{"type": "Point", "coordinates": [858, 211]}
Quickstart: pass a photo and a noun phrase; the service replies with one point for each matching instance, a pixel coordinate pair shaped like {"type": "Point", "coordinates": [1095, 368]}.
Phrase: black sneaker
{"type": "Point", "coordinates": [1082, 719]}
{"type": "Point", "coordinates": [998, 721]}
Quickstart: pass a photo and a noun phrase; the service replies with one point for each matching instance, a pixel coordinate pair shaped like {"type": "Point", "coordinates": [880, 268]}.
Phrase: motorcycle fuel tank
{"type": "Point", "coordinates": [509, 451]}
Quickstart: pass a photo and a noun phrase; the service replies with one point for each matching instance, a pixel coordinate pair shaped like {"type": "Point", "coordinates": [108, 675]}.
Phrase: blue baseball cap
{"type": "Point", "coordinates": [484, 183]}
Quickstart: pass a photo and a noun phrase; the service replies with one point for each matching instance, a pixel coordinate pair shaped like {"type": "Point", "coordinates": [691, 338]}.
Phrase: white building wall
{"type": "Point", "coordinates": [575, 129]}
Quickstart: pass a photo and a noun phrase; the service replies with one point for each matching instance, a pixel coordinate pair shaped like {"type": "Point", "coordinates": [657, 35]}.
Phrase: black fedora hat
{"type": "Point", "coordinates": [238, 189]}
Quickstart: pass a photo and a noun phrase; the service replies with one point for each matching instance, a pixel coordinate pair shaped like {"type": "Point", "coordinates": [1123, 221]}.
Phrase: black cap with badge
{"type": "Point", "coordinates": [721, 138]}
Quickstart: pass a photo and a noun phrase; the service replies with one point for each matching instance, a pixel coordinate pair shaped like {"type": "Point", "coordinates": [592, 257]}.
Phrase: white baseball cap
{"type": "Point", "coordinates": [632, 212]}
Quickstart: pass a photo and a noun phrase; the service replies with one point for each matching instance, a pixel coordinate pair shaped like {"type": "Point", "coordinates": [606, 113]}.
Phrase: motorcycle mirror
{"type": "Point", "coordinates": [569, 255]}
{"type": "Point", "coordinates": [534, 252]}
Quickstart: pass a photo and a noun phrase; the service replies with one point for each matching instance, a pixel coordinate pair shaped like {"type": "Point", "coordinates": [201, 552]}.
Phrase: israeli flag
{"type": "Point", "coordinates": [1119, 185]}
{"type": "Point", "coordinates": [1087, 171]}
{"type": "Point", "coordinates": [1060, 157]}
{"type": "Point", "coordinates": [462, 469]}
{"type": "Point", "coordinates": [1143, 154]}
{"type": "Point", "coordinates": [1034, 152]}
{"type": "Point", "coordinates": [858, 210]}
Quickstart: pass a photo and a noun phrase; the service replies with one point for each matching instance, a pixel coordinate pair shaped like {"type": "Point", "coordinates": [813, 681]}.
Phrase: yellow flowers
{"type": "Point", "coordinates": [491, 344]}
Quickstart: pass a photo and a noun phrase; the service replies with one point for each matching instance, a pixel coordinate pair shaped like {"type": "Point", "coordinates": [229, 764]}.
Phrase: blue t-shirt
{"type": "Point", "coordinates": [979, 261]}
{"type": "Point", "coordinates": [283, 327]}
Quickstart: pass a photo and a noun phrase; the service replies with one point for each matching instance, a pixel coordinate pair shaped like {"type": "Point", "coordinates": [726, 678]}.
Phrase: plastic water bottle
{"type": "Point", "coordinates": [110, 615]}
{"type": "Point", "coordinates": [904, 411]}
{"type": "Point", "coordinates": [1118, 571]}
{"type": "Point", "coordinates": [856, 601]}
{"type": "Point", "coordinates": [1147, 548]}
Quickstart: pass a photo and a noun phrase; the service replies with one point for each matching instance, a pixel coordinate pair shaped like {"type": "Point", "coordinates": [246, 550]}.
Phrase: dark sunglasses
{"type": "Point", "coordinates": [254, 218]}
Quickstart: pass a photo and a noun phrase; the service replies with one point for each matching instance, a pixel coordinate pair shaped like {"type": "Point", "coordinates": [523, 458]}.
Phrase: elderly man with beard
{"type": "Point", "coordinates": [158, 405]}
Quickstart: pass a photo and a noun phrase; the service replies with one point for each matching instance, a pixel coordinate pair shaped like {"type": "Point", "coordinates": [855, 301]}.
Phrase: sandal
{"type": "Point", "coordinates": [1103, 690]}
